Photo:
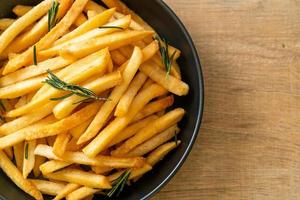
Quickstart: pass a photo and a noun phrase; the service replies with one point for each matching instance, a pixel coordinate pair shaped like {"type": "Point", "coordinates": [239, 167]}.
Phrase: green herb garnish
{"type": "Point", "coordinates": [164, 52]}
{"type": "Point", "coordinates": [55, 82]}
{"type": "Point", "coordinates": [34, 55]}
{"type": "Point", "coordinates": [117, 27]}
{"type": "Point", "coordinates": [26, 151]}
{"type": "Point", "coordinates": [118, 185]}
{"type": "Point", "coordinates": [3, 109]}
{"type": "Point", "coordinates": [52, 13]}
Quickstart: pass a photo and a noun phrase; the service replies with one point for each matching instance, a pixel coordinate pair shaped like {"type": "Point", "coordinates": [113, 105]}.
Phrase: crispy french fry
{"type": "Point", "coordinates": [81, 19]}
{"type": "Point", "coordinates": [151, 130]}
{"type": "Point", "coordinates": [97, 32]}
{"type": "Point", "coordinates": [154, 107]}
{"type": "Point", "coordinates": [147, 83]}
{"type": "Point", "coordinates": [17, 27]}
{"type": "Point", "coordinates": [132, 130]}
{"type": "Point", "coordinates": [34, 70]}
{"type": "Point", "coordinates": [77, 131]}
{"type": "Point", "coordinates": [69, 188]}
{"type": "Point", "coordinates": [172, 84]}
{"type": "Point", "coordinates": [65, 107]}
{"type": "Point", "coordinates": [60, 144]}
{"type": "Point", "coordinates": [117, 57]}
{"type": "Point", "coordinates": [39, 160]}
{"type": "Point", "coordinates": [5, 23]}
{"type": "Point", "coordinates": [21, 102]}
{"type": "Point", "coordinates": [29, 157]}
{"type": "Point", "coordinates": [53, 165]}
{"type": "Point", "coordinates": [126, 100]}
{"type": "Point", "coordinates": [73, 146]}
{"type": "Point", "coordinates": [81, 158]}
{"type": "Point", "coordinates": [81, 177]}
{"type": "Point", "coordinates": [15, 175]}
{"type": "Point", "coordinates": [27, 56]}
{"type": "Point", "coordinates": [91, 14]}
{"type": "Point", "coordinates": [9, 152]}
{"type": "Point", "coordinates": [113, 41]}
{"type": "Point", "coordinates": [116, 126]}
{"type": "Point", "coordinates": [98, 65]}
{"type": "Point", "coordinates": [21, 10]}
{"type": "Point", "coordinates": [48, 187]}
{"type": "Point", "coordinates": [114, 97]}
{"type": "Point", "coordinates": [81, 193]}
{"type": "Point", "coordinates": [173, 71]}
{"type": "Point", "coordinates": [159, 153]}
{"type": "Point", "coordinates": [101, 170]}
{"type": "Point", "coordinates": [134, 173]}
{"type": "Point", "coordinates": [19, 155]}
{"type": "Point", "coordinates": [154, 142]}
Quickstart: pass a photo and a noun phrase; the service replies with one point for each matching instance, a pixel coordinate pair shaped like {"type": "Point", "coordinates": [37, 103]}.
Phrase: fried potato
{"type": "Point", "coordinates": [53, 165]}
{"type": "Point", "coordinates": [29, 157]}
{"type": "Point", "coordinates": [19, 155]}
{"type": "Point", "coordinates": [69, 188]}
{"type": "Point", "coordinates": [81, 193]}
{"type": "Point", "coordinates": [48, 187]}
{"type": "Point", "coordinates": [5, 23]}
{"type": "Point", "coordinates": [60, 144]}
{"type": "Point", "coordinates": [39, 160]}
{"type": "Point", "coordinates": [81, 19]}
{"type": "Point", "coordinates": [21, 10]}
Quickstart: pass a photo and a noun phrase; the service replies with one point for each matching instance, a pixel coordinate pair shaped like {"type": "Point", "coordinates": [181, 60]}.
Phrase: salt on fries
{"type": "Point", "coordinates": [85, 97]}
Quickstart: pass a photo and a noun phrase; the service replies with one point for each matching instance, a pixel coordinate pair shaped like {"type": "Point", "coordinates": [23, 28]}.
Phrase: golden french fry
{"type": "Point", "coordinates": [126, 100]}
{"type": "Point", "coordinates": [134, 173]}
{"type": "Point", "coordinates": [96, 66]}
{"type": "Point", "coordinates": [39, 160]}
{"type": "Point", "coordinates": [116, 126]}
{"type": "Point", "coordinates": [172, 84]}
{"type": "Point", "coordinates": [19, 155]}
{"type": "Point", "coordinates": [27, 56]}
{"type": "Point", "coordinates": [77, 131]}
{"type": "Point", "coordinates": [132, 130]}
{"type": "Point", "coordinates": [113, 41]}
{"type": "Point", "coordinates": [154, 142]}
{"type": "Point", "coordinates": [15, 175]}
{"type": "Point", "coordinates": [9, 152]}
{"type": "Point", "coordinates": [151, 130]}
{"type": "Point", "coordinates": [60, 144]}
{"type": "Point", "coordinates": [29, 157]}
{"type": "Point", "coordinates": [91, 14]}
{"type": "Point", "coordinates": [159, 153]}
{"type": "Point", "coordinates": [101, 170]}
{"type": "Point", "coordinates": [65, 107]}
{"type": "Point", "coordinates": [5, 23]}
{"type": "Point", "coordinates": [69, 188]}
{"type": "Point", "coordinates": [20, 24]}
{"type": "Point", "coordinates": [174, 71]}
{"type": "Point", "coordinates": [81, 193]}
{"type": "Point", "coordinates": [117, 92]}
{"type": "Point", "coordinates": [81, 177]}
{"type": "Point", "coordinates": [117, 57]}
{"type": "Point", "coordinates": [53, 165]}
{"type": "Point", "coordinates": [154, 107]}
{"type": "Point", "coordinates": [48, 187]}
{"type": "Point", "coordinates": [81, 19]}
{"type": "Point", "coordinates": [34, 70]}
{"type": "Point", "coordinates": [21, 102]}
{"type": "Point", "coordinates": [73, 146]}
{"type": "Point", "coordinates": [81, 158]}
{"type": "Point", "coordinates": [147, 83]}
{"type": "Point", "coordinates": [21, 10]}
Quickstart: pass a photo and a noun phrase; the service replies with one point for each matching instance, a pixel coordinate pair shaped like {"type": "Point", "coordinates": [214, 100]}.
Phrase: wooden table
{"type": "Point", "coordinates": [249, 146]}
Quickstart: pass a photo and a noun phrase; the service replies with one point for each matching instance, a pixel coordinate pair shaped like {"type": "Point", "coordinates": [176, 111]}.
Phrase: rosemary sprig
{"type": "Point", "coordinates": [117, 27]}
{"type": "Point", "coordinates": [3, 109]}
{"type": "Point", "coordinates": [52, 13]}
{"type": "Point", "coordinates": [26, 151]}
{"type": "Point", "coordinates": [164, 52]}
{"type": "Point", "coordinates": [118, 185]}
{"type": "Point", "coordinates": [34, 55]}
{"type": "Point", "coordinates": [55, 82]}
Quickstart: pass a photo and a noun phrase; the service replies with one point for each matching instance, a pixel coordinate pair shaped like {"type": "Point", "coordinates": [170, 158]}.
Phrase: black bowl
{"type": "Point", "coordinates": [167, 24]}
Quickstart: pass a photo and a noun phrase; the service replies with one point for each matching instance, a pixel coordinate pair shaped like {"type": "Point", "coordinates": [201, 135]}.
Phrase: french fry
{"type": "Point", "coordinates": [48, 187]}
{"type": "Point", "coordinates": [91, 14]}
{"type": "Point", "coordinates": [132, 129]}
{"type": "Point", "coordinates": [81, 158]}
{"type": "Point", "coordinates": [134, 173]}
{"type": "Point", "coordinates": [97, 32]}
{"type": "Point", "coordinates": [69, 188]}
{"type": "Point", "coordinates": [174, 71]}
{"type": "Point", "coordinates": [53, 165]}
{"type": "Point", "coordinates": [65, 107]}
{"type": "Point", "coordinates": [147, 83]}
{"type": "Point", "coordinates": [159, 153]}
{"type": "Point", "coordinates": [77, 131]}
{"type": "Point", "coordinates": [29, 157]}
{"type": "Point", "coordinates": [81, 177]}
{"type": "Point", "coordinates": [9, 152]}
{"type": "Point", "coordinates": [19, 155]}
{"type": "Point", "coordinates": [60, 144]}
{"type": "Point", "coordinates": [96, 66]}
{"type": "Point", "coordinates": [27, 56]}
{"type": "Point", "coordinates": [117, 57]}
{"type": "Point", "coordinates": [21, 10]}
{"type": "Point", "coordinates": [116, 126]}
{"type": "Point", "coordinates": [34, 70]}
{"type": "Point", "coordinates": [81, 19]}
{"type": "Point", "coordinates": [20, 24]}
{"type": "Point", "coordinates": [5, 23]}
{"type": "Point", "coordinates": [101, 170]}
{"type": "Point", "coordinates": [172, 84]}
{"type": "Point", "coordinates": [154, 107]}
{"type": "Point", "coordinates": [126, 100]}
{"type": "Point", "coordinates": [73, 146]}
{"type": "Point", "coordinates": [154, 142]}
{"type": "Point", "coordinates": [81, 193]}
{"type": "Point", "coordinates": [39, 160]}
{"type": "Point", "coordinates": [117, 92]}
{"type": "Point", "coordinates": [113, 41]}
{"type": "Point", "coordinates": [21, 102]}
{"type": "Point", "coordinates": [15, 175]}
{"type": "Point", "coordinates": [151, 130]}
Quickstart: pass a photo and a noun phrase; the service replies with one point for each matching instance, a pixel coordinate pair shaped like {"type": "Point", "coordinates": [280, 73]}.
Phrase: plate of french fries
{"type": "Point", "coordinates": [95, 101]}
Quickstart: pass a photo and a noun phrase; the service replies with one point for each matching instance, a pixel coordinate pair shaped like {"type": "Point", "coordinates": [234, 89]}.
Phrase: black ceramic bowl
{"type": "Point", "coordinates": [166, 23]}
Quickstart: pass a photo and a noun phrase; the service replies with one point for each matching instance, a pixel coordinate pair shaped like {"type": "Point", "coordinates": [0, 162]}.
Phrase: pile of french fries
{"type": "Point", "coordinates": [54, 140]}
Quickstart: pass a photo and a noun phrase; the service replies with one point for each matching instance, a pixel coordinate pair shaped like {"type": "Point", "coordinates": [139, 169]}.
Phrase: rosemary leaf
{"type": "Point", "coordinates": [52, 13]}
{"type": "Point", "coordinates": [26, 151]}
{"type": "Point", "coordinates": [34, 55]}
{"type": "Point", "coordinates": [117, 27]}
{"type": "Point", "coordinates": [118, 185]}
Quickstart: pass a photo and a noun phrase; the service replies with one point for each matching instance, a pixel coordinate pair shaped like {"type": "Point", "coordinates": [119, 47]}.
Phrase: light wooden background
{"type": "Point", "coordinates": [249, 146]}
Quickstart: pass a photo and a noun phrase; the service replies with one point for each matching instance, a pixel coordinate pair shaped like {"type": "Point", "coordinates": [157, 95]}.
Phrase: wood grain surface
{"type": "Point", "coordinates": [249, 146]}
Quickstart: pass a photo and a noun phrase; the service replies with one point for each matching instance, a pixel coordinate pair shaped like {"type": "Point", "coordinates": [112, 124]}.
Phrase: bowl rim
{"type": "Point", "coordinates": [199, 96]}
